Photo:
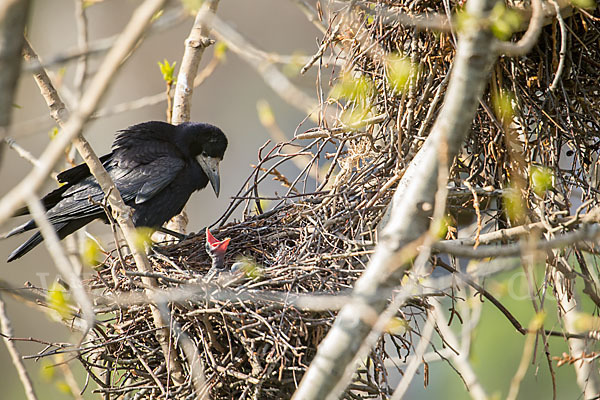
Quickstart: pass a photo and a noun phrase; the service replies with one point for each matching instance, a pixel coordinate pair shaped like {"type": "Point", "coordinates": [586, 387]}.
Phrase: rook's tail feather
{"type": "Point", "coordinates": [27, 226]}
{"type": "Point", "coordinates": [25, 247]}
{"type": "Point", "coordinates": [63, 230]}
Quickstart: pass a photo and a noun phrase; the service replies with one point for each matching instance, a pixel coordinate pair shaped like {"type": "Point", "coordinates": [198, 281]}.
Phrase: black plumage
{"type": "Point", "coordinates": [156, 167]}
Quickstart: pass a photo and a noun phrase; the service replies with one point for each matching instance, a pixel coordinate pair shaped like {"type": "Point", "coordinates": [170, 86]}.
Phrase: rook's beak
{"type": "Point", "coordinates": [210, 166]}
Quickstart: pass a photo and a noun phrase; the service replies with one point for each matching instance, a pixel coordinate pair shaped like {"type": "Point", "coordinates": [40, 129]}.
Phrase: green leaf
{"type": "Point", "coordinates": [502, 102]}
{"type": "Point", "coordinates": [541, 179]}
{"type": "Point", "coordinates": [397, 326]}
{"type": "Point", "coordinates": [399, 71]}
{"type": "Point", "coordinates": [587, 4]}
{"type": "Point", "coordinates": [537, 321]}
{"type": "Point", "coordinates": [513, 204]}
{"type": "Point", "coordinates": [192, 6]}
{"type": "Point", "coordinates": [157, 15]}
{"type": "Point", "coordinates": [504, 21]}
{"type": "Point", "coordinates": [47, 370]}
{"type": "Point", "coordinates": [265, 113]}
{"type": "Point", "coordinates": [220, 51]}
{"type": "Point", "coordinates": [440, 227]}
{"type": "Point", "coordinates": [91, 253]}
{"type": "Point", "coordinates": [585, 322]}
{"type": "Point", "coordinates": [89, 3]}
{"type": "Point", "coordinates": [58, 300]}
{"type": "Point", "coordinates": [168, 71]}
{"type": "Point", "coordinates": [251, 268]}
{"type": "Point", "coordinates": [293, 68]}
{"type": "Point", "coordinates": [142, 238]}
{"type": "Point", "coordinates": [63, 387]}
{"type": "Point", "coordinates": [464, 20]}
{"type": "Point", "coordinates": [350, 88]}
{"type": "Point", "coordinates": [354, 117]}
{"type": "Point", "coordinates": [52, 134]}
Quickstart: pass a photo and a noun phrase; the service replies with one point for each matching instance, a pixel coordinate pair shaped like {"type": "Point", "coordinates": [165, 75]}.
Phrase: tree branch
{"type": "Point", "coordinates": [530, 37]}
{"type": "Point", "coordinates": [13, 16]}
{"type": "Point", "coordinates": [7, 335]}
{"type": "Point", "coordinates": [195, 45]}
{"type": "Point", "coordinates": [409, 218]}
{"type": "Point", "coordinates": [587, 232]}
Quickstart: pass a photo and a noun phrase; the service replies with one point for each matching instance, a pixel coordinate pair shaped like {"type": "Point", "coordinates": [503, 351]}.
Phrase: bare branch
{"type": "Point", "coordinates": [587, 232]}
{"type": "Point", "coordinates": [82, 42]}
{"type": "Point", "coordinates": [58, 110]}
{"type": "Point", "coordinates": [270, 74]}
{"type": "Point", "coordinates": [409, 218]}
{"type": "Point", "coordinates": [7, 334]}
{"type": "Point", "coordinates": [524, 45]}
{"type": "Point", "coordinates": [563, 47]}
{"type": "Point", "coordinates": [25, 154]}
{"type": "Point", "coordinates": [195, 45]}
{"type": "Point", "coordinates": [13, 16]}
{"type": "Point", "coordinates": [586, 372]}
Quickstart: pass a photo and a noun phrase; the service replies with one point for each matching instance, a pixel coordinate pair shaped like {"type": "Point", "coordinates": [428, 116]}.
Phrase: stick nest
{"type": "Point", "coordinates": [253, 340]}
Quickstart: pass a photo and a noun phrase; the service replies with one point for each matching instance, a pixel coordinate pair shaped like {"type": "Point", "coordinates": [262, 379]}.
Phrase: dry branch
{"type": "Point", "coordinates": [264, 66]}
{"type": "Point", "coordinates": [7, 334]}
{"type": "Point", "coordinates": [13, 16]}
{"type": "Point", "coordinates": [195, 45]}
{"type": "Point", "coordinates": [409, 218]}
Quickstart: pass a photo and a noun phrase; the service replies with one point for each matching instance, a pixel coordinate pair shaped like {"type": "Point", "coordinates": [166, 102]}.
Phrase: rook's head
{"type": "Point", "coordinates": [207, 144]}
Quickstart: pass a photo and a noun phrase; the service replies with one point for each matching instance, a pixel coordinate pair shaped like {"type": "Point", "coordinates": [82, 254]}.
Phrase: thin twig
{"type": "Point", "coordinates": [7, 334]}
{"type": "Point", "coordinates": [525, 44]}
{"type": "Point", "coordinates": [417, 357]}
{"type": "Point", "coordinates": [25, 154]}
{"type": "Point", "coordinates": [585, 233]}
{"type": "Point", "coordinates": [195, 45]}
{"type": "Point", "coordinates": [563, 47]}
{"type": "Point", "coordinates": [57, 252]}
{"type": "Point", "coordinates": [13, 16]}
{"type": "Point", "coordinates": [461, 360]}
